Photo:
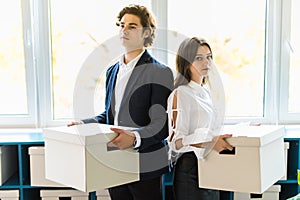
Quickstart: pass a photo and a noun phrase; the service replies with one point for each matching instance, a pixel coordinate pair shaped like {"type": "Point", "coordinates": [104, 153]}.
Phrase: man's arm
{"type": "Point", "coordinates": [157, 130]}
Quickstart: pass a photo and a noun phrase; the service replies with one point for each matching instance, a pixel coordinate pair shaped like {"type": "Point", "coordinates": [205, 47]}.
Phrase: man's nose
{"type": "Point", "coordinates": [124, 29]}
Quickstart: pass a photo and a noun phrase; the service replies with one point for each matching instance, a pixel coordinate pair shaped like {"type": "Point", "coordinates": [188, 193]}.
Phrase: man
{"type": "Point", "coordinates": [137, 88]}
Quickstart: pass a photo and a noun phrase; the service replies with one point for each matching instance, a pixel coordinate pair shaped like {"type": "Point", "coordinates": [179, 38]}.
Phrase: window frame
{"type": "Point", "coordinates": [30, 119]}
{"type": "Point", "coordinates": [285, 116]}
{"type": "Point", "coordinates": [37, 51]}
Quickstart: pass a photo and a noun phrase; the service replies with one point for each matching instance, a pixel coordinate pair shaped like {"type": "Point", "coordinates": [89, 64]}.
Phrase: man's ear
{"type": "Point", "coordinates": [147, 33]}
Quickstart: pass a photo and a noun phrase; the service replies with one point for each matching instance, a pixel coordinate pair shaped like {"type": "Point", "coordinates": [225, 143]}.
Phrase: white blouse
{"type": "Point", "coordinates": [195, 119]}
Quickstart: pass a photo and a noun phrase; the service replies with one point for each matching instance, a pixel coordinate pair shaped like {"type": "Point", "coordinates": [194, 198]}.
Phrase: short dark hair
{"type": "Point", "coordinates": [185, 57]}
{"type": "Point", "coordinates": [147, 20]}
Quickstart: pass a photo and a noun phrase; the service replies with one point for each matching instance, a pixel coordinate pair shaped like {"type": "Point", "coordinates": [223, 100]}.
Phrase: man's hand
{"type": "Point", "coordinates": [124, 140]}
{"type": "Point", "coordinates": [75, 123]}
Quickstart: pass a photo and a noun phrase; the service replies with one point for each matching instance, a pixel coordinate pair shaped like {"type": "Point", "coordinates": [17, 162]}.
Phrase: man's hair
{"type": "Point", "coordinates": [147, 20]}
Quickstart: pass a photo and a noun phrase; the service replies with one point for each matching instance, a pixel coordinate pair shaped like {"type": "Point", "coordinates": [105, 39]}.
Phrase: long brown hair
{"type": "Point", "coordinates": [185, 57]}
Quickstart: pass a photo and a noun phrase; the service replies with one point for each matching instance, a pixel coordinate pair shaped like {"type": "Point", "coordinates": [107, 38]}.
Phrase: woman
{"type": "Point", "coordinates": [195, 111]}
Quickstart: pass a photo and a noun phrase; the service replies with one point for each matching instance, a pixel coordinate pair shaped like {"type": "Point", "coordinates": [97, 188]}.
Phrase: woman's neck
{"type": "Point", "coordinates": [198, 79]}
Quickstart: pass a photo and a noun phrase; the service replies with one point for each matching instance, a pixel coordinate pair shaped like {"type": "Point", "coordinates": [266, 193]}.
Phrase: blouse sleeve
{"type": "Point", "coordinates": [181, 128]}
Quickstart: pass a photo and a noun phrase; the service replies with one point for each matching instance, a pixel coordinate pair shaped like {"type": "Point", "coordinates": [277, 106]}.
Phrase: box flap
{"type": "Point", "coordinates": [286, 145]}
{"type": "Point", "coordinates": [34, 150]}
{"type": "Point", "coordinates": [274, 188]}
{"type": "Point", "coordinates": [245, 135]}
{"type": "Point", "coordinates": [9, 194]}
{"type": "Point", "coordinates": [84, 134]}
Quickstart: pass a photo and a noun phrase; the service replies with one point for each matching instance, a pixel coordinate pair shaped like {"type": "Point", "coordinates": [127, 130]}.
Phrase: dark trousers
{"type": "Point", "coordinates": [141, 190]}
{"type": "Point", "coordinates": [185, 180]}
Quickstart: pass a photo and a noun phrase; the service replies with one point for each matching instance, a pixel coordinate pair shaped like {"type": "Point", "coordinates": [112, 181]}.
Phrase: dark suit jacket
{"type": "Point", "coordinates": [143, 106]}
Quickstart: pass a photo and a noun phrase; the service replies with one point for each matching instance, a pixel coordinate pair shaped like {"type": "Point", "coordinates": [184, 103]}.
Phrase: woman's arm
{"type": "Point", "coordinates": [218, 143]}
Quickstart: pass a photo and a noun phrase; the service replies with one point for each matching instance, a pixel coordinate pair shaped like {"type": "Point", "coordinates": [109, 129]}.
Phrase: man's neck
{"type": "Point", "coordinates": [130, 55]}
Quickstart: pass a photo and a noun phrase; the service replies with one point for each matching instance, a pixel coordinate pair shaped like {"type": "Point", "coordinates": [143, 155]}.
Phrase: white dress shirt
{"type": "Point", "coordinates": [195, 118]}
{"type": "Point", "coordinates": [123, 76]}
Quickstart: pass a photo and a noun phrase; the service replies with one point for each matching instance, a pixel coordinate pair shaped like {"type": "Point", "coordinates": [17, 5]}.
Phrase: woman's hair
{"type": "Point", "coordinates": [185, 57]}
{"type": "Point", "coordinates": [147, 20]}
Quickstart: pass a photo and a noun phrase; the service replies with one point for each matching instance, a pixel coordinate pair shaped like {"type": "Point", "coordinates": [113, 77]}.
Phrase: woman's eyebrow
{"type": "Point", "coordinates": [200, 54]}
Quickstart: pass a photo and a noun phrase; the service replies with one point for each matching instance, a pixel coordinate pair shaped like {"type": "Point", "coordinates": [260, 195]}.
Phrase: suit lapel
{"type": "Point", "coordinates": [135, 76]}
{"type": "Point", "coordinates": [111, 96]}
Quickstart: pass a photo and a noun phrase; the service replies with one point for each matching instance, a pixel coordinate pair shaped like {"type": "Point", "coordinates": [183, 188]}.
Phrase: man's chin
{"type": "Point", "coordinates": [130, 48]}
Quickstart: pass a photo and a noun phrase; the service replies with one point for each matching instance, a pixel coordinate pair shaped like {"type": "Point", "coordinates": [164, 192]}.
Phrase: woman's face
{"type": "Point", "coordinates": [201, 64]}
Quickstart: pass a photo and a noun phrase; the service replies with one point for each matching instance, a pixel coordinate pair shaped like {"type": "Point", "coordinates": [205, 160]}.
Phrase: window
{"type": "Point", "coordinates": [13, 99]}
{"type": "Point", "coordinates": [290, 63]}
{"type": "Point", "coordinates": [46, 54]}
{"type": "Point", "coordinates": [237, 37]}
{"type": "Point", "coordinates": [17, 84]}
{"type": "Point", "coordinates": [294, 48]}
{"type": "Point", "coordinates": [74, 37]}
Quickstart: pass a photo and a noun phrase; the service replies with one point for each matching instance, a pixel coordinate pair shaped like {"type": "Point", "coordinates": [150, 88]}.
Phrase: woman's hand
{"type": "Point", "coordinates": [178, 144]}
{"type": "Point", "coordinates": [218, 143]}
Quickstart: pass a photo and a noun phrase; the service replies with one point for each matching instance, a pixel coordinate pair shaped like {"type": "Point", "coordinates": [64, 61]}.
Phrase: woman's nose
{"type": "Point", "coordinates": [206, 61]}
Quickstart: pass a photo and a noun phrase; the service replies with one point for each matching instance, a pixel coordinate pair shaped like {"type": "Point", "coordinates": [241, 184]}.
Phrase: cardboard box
{"type": "Point", "coordinates": [9, 194]}
{"type": "Point", "coordinates": [270, 194]}
{"type": "Point", "coordinates": [78, 157]}
{"type": "Point", "coordinates": [58, 194]}
{"type": "Point", "coordinates": [37, 168]}
{"type": "Point", "coordinates": [255, 165]}
{"type": "Point", "coordinates": [286, 148]}
{"type": "Point", "coordinates": [102, 195]}
{"type": "Point", "coordinates": [8, 162]}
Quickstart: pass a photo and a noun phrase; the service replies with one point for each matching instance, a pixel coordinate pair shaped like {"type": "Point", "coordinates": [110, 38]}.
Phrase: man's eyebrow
{"type": "Point", "coordinates": [131, 23]}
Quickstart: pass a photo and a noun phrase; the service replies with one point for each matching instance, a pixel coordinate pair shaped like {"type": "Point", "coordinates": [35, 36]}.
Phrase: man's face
{"type": "Point", "coordinates": [131, 32]}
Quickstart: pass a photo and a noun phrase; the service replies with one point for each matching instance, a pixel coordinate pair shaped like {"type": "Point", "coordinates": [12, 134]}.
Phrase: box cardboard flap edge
{"type": "Point", "coordinates": [84, 134]}
{"type": "Point", "coordinates": [254, 135]}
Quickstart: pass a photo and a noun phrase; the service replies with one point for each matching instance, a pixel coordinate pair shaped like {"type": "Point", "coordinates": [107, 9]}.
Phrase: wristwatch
{"type": "Point", "coordinates": [134, 142]}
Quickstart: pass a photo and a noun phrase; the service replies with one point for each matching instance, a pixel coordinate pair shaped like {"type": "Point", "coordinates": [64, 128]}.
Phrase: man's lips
{"type": "Point", "coordinates": [124, 38]}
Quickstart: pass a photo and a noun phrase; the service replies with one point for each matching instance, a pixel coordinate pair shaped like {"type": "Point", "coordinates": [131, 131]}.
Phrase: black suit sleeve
{"type": "Point", "coordinates": [153, 135]}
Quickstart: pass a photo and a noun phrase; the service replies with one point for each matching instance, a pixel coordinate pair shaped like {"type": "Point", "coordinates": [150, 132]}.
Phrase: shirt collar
{"type": "Point", "coordinates": [132, 63]}
{"type": "Point", "coordinates": [195, 85]}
